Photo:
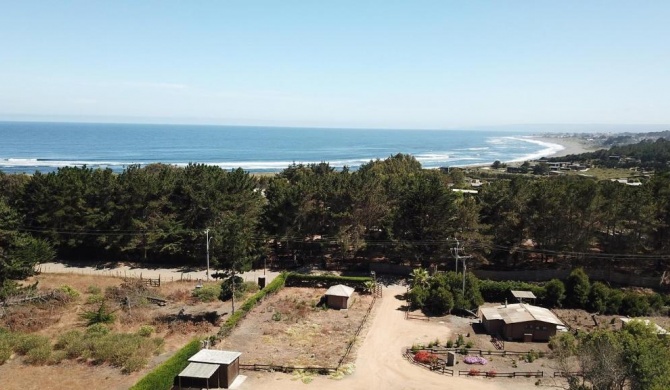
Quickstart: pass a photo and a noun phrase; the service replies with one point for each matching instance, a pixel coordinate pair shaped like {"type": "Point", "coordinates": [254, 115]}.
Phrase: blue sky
{"type": "Point", "coordinates": [409, 64]}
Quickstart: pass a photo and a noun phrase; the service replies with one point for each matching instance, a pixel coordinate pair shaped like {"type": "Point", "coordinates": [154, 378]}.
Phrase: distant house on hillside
{"type": "Point", "coordinates": [520, 321]}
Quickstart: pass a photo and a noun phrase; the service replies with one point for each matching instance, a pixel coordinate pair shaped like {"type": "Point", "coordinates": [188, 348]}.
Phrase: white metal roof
{"type": "Point", "coordinates": [340, 290]}
{"type": "Point", "coordinates": [199, 370]}
{"type": "Point", "coordinates": [214, 356]}
{"type": "Point", "coordinates": [523, 294]}
{"type": "Point", "coordinates": [520, 312]}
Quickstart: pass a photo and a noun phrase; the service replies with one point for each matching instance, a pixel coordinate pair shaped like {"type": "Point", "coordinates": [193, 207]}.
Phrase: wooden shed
{"type": "Point", "coordinates": [210, 369]}
{"type": "Point", "coordinates": [337, 297]}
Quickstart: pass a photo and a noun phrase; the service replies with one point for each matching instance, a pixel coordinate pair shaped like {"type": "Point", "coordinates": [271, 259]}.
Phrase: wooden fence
{"type": "Point", "coordinates": [495, 374]}
{"type": "Point", "coordinates": [271, 367]}
{"type": "Point", "coordinates": [320, 370]}
{"type": "Point", "coordinates": [358, 331]}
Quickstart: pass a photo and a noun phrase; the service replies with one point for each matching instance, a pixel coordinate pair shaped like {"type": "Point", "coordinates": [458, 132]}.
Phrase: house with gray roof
{"type": "Point", "coordinates": [519, 321]}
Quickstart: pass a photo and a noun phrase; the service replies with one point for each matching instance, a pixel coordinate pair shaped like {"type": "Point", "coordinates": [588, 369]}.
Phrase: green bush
{"type": "Point", "coordinates": [93, 290]}
{"type": "Point", "coordinates": [27, 342]}
{"type": "Point", "coordinates": [100, 316]}
{"type": "Point", "coordinates": [57, 357]}
{"type": "Point", "coordinates": [162, 377]}
{"type": "Point", "coordinates": [634, 305]}
{"type": "Point", "coordinates": [146, 330]}
{"type": "Point", "coordinates": [95, 299]}
{"type": "Point", "coordinates": [5, 351]}
{"type": "Point", "coordinates": [614, 300]}
{"type": "Point", "coordinates": [598, 297]}
{"type": "Point", "coordinates": [134, 363]}
{"type": "Point", "coordinates": [69, 291]}
{"type": "Point", "coordinates": [577, 288]}
{"type": "Point", "coordinates": [207, 293]}
{"type": "Point", "coordinates": [554, 293]}
{"type": "Point", "coordinates": [38, 355]}
{"type": "Point", "coordinates": [72, 343]}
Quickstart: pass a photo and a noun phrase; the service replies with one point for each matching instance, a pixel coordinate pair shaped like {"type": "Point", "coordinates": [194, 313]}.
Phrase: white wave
{"type": "Point", "coordinates": [549, 149]}
{"type": "Point", "coordinates": [34, 162]}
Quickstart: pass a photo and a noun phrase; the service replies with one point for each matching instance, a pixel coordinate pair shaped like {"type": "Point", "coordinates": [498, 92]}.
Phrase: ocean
{"type": "Point", "coordinates": [40, 146]}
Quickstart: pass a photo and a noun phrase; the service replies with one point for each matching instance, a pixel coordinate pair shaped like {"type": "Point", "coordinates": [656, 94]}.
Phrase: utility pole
{"type": "Point", "coordinates": [207, 237]}
{"type": "Point", "coordinates": [457, 255]}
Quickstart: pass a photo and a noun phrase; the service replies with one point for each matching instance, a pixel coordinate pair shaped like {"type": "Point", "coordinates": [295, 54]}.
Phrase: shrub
{"type": "Point", "coordinates": [134, 363]}
{"type": "Point", "coordinates": [146, 330]}
{"type": "Point", "coordinates": [39, 354]}
{"type": "Point", "coordinates": [469, 344]}
{"type": "Point", "coordinates": [72, 343]}
{"type": "Point", "coordinates": [450, 343]}
{"type": "Point", "coordinates": [207, 293]}
{"type": "Point", "coordinates": [276, 316]}
{"type": "Point", "coordinates": [28, 342]}
{"type": "Point", "coordinates": [93, 290]}
{"type": "Point", "coordinates": [5, 351]}
{"type": "Point", "coordinates": [614, 300]}
{"type": "Point", "coordinates": [57, 357]}
{"type": "Point", "coordinates": [634, 305]}
{"type": "Point", "coordinates": [425, 357]}
{"type": "Point", "coordinates": [598, 297]}
{"type": "Point", "coordinates": [97, 330]}
{"type": "Point", "coordinates": [460, 340]}
{"type": "Point", "coordinates": [578, 288]}
{"type": "Point", "coordinates": [95, 299]}
{"type": "Point", "coordinates": [554, 293]}
{"type": "Point", "coordinates": [473, 372]}
{"type": "Point", "coordinates": [100, 316]}
{"type": "Point", "coordinates": [161, 377]}
{"type": "Point", "coordinates": [69, 291]}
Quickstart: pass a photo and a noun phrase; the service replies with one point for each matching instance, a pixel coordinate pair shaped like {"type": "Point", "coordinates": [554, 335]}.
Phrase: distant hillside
{"type": "Point", "coordinates": [648, 153]}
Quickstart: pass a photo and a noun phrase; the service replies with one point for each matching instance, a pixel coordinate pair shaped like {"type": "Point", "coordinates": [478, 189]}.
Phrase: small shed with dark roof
{"type": "Point", "coordinates": [210, 369]}
{"type": "Point", "coordinates": [337, 297]}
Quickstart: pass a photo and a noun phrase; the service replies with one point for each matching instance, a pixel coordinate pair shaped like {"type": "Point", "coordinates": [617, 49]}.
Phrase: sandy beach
{"type": "Point", "coordinates": [571, 145]}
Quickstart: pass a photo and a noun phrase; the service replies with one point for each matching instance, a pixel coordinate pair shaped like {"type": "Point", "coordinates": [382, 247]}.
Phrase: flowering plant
{"type": "Point", "coordinates": [475, 360]}
{"type": "Point", "coordinates": [425, 357]}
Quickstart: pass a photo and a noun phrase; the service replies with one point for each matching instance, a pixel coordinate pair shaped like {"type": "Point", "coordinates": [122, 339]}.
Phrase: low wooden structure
{"type": "Point", "coordinates": [209, 369]}
{"type": "Point", "coordinates": [337, 297]}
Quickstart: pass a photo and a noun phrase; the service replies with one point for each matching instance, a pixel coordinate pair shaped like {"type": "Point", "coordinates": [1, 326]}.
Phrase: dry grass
{"type": "Point", "coordinates": [291, 328]}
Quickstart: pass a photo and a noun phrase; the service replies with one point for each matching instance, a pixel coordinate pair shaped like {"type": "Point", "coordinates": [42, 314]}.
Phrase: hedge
{"type": "Point", "coordinates": [162, 377]}
{"type": "Point", "coordinates": [249, 304]}
{"type": "Point", "coordinates": [300, 280]}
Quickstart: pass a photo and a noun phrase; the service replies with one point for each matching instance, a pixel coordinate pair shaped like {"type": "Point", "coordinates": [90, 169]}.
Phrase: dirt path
{"type": "Point", "coordinates": [379, 363]}
{"type": "Point", "coordinates": [166, 274]}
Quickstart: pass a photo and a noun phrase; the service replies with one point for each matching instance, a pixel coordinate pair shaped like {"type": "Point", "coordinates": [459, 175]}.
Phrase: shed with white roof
{"type": "Point", "coordinates": [210, 369]}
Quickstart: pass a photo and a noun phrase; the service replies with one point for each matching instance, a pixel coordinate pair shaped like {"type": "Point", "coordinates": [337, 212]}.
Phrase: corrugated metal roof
{"type": "Point", "coordinates": [199, 370]}
{"type": "Point", "coordinates": [214, 356]}
{"type": "Point", "coordinates": [523, 294]}
{"type": "Point", "coordinates": [340, 290]}
{"type": "Point", "coordinates": [520, 312]}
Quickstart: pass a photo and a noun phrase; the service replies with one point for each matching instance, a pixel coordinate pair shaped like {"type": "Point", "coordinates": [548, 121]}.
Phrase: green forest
{"type": "Point", "coordinates": [388, 210]}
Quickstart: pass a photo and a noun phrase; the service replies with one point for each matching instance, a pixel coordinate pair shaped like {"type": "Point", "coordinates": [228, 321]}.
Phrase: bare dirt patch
{"type": "Point", "coordinates": [290, 328]}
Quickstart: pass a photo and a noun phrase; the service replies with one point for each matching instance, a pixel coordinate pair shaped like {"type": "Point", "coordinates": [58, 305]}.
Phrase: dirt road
{"type": "Point", "coordinates": [379, 363]}
{"type": "Point", "coordinates": [166, 274]}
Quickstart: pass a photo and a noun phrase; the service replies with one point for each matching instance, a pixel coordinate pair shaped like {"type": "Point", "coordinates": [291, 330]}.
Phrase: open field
{"type": "Point", "coordinates": [52, 319]}
{"type": "Point", "coordinates": [290, 328]}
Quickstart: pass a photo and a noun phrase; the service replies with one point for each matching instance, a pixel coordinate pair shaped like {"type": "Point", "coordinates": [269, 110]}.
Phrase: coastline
{"type": "Point", "coordinates": [571, 145]}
